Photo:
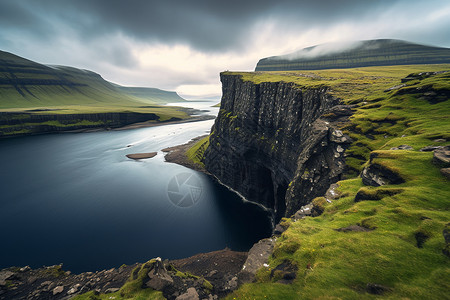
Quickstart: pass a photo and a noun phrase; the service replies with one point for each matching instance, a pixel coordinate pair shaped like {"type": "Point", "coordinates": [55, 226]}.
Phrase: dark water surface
{"type": "Point", "coordinates": [76, 199]}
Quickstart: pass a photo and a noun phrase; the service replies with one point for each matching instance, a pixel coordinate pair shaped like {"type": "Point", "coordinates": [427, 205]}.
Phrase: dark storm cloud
{"type": "Point", "coordinates": [16, 16]}
{"type": "Point", "coordinates": [205, 25]}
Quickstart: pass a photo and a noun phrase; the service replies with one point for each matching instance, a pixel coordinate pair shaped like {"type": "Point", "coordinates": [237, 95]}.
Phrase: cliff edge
{"type": "Point", "coordinates": [275, 143]}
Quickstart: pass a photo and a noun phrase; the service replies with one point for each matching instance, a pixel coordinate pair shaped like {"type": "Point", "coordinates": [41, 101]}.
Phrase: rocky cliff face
{"type": "Point", "coordinates": [275, 143]}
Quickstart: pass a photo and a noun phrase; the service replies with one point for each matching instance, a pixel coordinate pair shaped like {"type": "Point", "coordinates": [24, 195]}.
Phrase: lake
{"type": "Point", "coordinates": [76, 199]}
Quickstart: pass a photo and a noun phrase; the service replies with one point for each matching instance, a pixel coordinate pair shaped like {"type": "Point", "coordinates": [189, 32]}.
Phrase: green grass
{"type": "Point", "coordinates": [133, 289]}
{"type": "Point", "coordinates": [143, 294]}
{"type": "Point", "coordinates": [339, 265]}
{"type": "Point", "coordinates": [26, 86]}
{"type": "Point", "coordinates": [195, 153]}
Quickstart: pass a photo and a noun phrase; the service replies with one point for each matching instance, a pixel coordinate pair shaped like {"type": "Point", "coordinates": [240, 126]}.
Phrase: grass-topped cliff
{"type": "Point", "coordinates": [30, 88]}
{"type": "Point", "coordinates": [371, 242]}
{"type": "Point", "coordinates": [383, 52]}
{"type": "Point", "coordinates": [400, 245]}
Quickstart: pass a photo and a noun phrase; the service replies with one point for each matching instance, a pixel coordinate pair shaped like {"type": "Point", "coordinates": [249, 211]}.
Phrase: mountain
{"type": "Point", "coordinates": [151, 94]}
{"type": "Point", "coordinates": [382, 52]}
{"type": "Point", "coordinates": [37, 98]}
{"type": "Point", "coordinates": [24, 83]}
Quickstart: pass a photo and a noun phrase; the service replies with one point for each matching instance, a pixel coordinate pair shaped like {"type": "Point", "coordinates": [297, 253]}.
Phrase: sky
{"type": "Point", "coordinates": [183, 45]}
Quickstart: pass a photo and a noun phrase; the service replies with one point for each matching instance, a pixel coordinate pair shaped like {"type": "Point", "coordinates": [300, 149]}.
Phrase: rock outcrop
{"type": "Point", "coordinates": [277, 144]}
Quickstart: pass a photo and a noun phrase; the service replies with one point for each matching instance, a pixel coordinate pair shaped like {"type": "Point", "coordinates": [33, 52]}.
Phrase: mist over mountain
{"type": "Point", "coordinates": [381, 52]}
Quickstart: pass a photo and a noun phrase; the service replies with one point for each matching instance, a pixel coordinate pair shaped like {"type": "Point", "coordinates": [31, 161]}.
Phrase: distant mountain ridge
{"type": "Point", "coordinates": [25, 83]}
{"type": "Point", "coordinates": [381, 52]}
{"type": "Point", "coordinates": [151, 94]}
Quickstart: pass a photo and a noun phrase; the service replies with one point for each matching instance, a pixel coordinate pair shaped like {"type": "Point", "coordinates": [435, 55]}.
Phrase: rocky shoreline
{"type": "Point", "coordinates": [209, 275]}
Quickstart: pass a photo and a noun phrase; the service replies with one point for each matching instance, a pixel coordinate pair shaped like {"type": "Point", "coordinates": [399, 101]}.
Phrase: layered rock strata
{"type": "Point", "coordinates": [277, 144]}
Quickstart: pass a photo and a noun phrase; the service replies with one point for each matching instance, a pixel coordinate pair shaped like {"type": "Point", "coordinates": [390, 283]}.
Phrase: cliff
{"type": "Point", "coordinates": [272, 144]}
{"type": "Point", "coordinates": [383, 134]}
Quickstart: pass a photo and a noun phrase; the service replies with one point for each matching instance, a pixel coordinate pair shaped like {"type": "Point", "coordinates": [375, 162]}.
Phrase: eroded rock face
{"type": "Point", "coordinates": [271, 144]}
{"type": "Point", "coordinates": [258, 257]}
{"type": "Point", "coordinates": [378, 175]}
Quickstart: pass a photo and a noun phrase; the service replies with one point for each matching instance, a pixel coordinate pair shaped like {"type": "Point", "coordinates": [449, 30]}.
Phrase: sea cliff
{"type": "Point", "coordinates": [277, 144]}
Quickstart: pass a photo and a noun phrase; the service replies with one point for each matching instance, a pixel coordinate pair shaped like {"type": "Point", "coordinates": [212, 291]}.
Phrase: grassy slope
{"type": "Point", "coordinates": [195, 153]}
{"type": "Point", "coordinates": [151, 94]}
{"type": "Point", "coordinates": [368, 53]}
{"type": "Point", "coordinates": [342, 264]}
{"type": "Point", "coordinates": [26, 85]}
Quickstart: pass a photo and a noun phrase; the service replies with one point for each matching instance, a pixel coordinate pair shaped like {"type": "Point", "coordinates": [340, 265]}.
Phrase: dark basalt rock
{"type": "Point", "coordinates": [441, 157]}
{"type": "Point", "coordinates": [374, 195]}
{"type": "Point", "coordinates": [427, 92]}
{"type": "Point", "coordinates": [353, 228]}
{"type": "Point", "coordinates": [377, 289]}
{"type": "Point", "coordinates": [277, 144]}
{"type": "Point", "coordinates": [446, 234]}
{"type": "Point", "coordinates": [421, 238]}
{"type": "Point", "coordinates": [159, 278]}
{"type": "Point", "coordinates": [54, 283]}
{"type": "Point", "coordinates": [430, 148]}
{"type": "Point", "coordinates": [286, 272]}
{"type": "Point", "coordinates": [376, 175]}
{"type": "Point", "coordinates": [258, 256]}
{"type": "Point", "coordinates": [402, 147]}
{"type": "Point", "coordinates": [446, 172]}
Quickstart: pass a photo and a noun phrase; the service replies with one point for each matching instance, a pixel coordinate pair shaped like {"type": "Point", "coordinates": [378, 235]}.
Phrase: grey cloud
{"type": "Point", "coordinates": [205, 25]}
{"type": "Point", "coordinates": [100, 34]}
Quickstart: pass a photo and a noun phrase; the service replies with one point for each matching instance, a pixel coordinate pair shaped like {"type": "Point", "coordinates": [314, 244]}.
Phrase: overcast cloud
{"type": "Point", "coordinates": [183, 45]}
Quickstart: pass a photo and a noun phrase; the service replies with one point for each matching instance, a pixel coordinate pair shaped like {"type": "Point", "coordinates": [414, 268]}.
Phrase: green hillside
{"type": "Point", "coordinates": [32, 94]}
{"type": "Point", "coordinates": [24, 83]}
{"type": "Point", "coordinates": [151, 94]}
{"type": "Point", "coordinates": [381, 52]}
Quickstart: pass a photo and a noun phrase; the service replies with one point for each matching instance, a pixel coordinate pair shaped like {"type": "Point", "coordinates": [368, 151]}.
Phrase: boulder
{"type": "Point", "coordinates": [402, 147]}
{"type": "Point", "coordinates": [376, 289]}
{"type": "Point", "coordinates": [191, 294]}
{"type": "Point", "coordinates": [446, 172]}
{"type": "Point", "coordinates": [279, 229]}
{"type": "Point", "coordinates": [57, 290]}
{"type": "Point", "coordinates": [304, 211]}
{"type": "Point", "coordinates": [257, 257]}
{"type": "Point", "coordinates": [112, 290]}
{"type": "Point", "coordinates": [5, 275]}
{"type": "Point", "coordinates": [332, 192]}
{"type": "Point", "coordinates": [285, 272]}
{"type": "Point", "coordinates": [159, 276]}
{"type": "Point", "coordinates": [74, 289]}
{"type": "Point", "coordinates": [353, 228]}
{"type": "Point", "coordinates": [430, 148]}
{"type": "Point", "coordinates": [377, 175]}
{"type": "Point", "coordinates": [441, 157]}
